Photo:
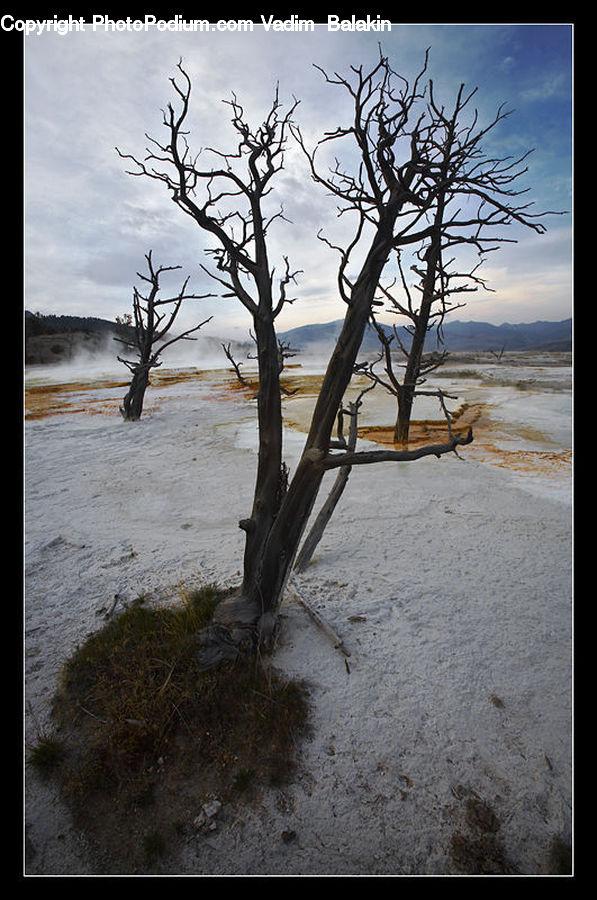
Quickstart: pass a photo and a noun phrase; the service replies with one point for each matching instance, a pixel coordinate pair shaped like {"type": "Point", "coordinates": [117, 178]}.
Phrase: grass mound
{"type": "Point", "coordinates": [145, 738]}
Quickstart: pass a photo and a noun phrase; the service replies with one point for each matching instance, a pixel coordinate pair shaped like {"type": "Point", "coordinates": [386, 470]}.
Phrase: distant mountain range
{"type": "Point", "coordinates": [53, 338]}
{"type": "Point", "coordinates": [457, 336]}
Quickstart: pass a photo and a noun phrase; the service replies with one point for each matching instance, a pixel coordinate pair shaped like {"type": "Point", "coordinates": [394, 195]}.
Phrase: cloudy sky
{"type": "Point", "coordinates": [88, 224]}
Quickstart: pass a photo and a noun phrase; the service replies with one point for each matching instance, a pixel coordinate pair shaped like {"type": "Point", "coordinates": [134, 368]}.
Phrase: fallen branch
{"type": "Point", "coordinates": [325, 626]}
{"type": "Point", "coordinates": [372, 456]}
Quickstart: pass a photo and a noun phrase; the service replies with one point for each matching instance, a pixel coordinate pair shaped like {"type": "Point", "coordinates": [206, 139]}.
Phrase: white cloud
{"type": "Point", "coordinates": [548, 86]}
{"type": "Point", "coordinates": [88, 224]}
{"type": "Point", "coordinates": [507, 64]}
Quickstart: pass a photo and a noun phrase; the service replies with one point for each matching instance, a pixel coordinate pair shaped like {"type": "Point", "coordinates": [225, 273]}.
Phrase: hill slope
{"type": "Point", "coordinates": [480, 336]}
{"type": "Point", "coordinates": [54, 338]}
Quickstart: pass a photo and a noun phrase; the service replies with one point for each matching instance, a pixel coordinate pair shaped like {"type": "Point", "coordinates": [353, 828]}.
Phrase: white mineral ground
{"type": "Point", "coordinates": [449, 581]}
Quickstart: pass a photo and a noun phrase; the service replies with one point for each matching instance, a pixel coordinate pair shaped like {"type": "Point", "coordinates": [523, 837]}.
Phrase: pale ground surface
{"type": "Point", "coordinates": [449, 581]}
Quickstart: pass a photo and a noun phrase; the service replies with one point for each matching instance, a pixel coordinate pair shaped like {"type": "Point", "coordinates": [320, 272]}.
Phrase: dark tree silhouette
{"type": "Point", "coordinates": [235, 365]}
{"type": "Point", "coordinates": [151, 330]}
{"type": "Point", "coordinates": [469, 199]}
{"type": "Point", "coordinates": [418, 366]}
{"type": "Point", "coordinates": [391, 195]}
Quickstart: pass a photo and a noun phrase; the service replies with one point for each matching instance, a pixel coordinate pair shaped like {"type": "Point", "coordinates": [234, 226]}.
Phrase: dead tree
{"type": "Point", "coordinates": [235, 366]}
{"type": "Point", "coordinates": [285, 351]}
{"type": "Point", "coordinates": [151, 328]}
{"type": "Point", "coordinates": [471, 199]}
{"type": "Point", "coordinates": [390, 196]}
{"type": "Point", "coordinates": [498, 353]}
{"type": "Point", "coordinates": [405, 390]}
{"type": "Point", "coordinates": [409, 387]}
{"type": "Point", "coordinates": [436, 285]}
{"type": "Point", "coordinates": [226, 198]}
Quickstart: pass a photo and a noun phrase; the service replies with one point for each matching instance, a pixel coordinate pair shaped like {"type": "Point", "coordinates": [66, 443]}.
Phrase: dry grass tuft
{"type": "Point", "coordinates": [145, 738]}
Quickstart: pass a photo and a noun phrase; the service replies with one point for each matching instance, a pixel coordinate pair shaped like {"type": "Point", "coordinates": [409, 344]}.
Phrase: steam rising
{"type": "Point", "coordinates": [99, 358]}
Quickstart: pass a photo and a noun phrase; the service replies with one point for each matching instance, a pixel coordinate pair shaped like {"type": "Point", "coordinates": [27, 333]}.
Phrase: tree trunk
{"type": "Point", "coordinates": [132, 404]}
{"type": "Point", "coordinates": [405, 405]}
{"type": "Point", "coordinates": [250, 616]}
{"type": "Point", "coordinates": [282, 541]}
{"type": "Point", "coordinates": [325, 513]}
{"type": "Point", "coordinates": [406, 395]}
{"type": "Point", "coordinates": [269, 484]}
{"type": "Point", "coordinates": [413, 367]}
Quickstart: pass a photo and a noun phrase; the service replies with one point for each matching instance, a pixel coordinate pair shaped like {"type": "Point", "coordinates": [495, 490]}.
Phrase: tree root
{"type": "Point", "coordinates": [239, 627]}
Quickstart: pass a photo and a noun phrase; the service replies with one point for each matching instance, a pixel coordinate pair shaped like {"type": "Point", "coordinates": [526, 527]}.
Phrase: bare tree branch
{"type": "Point", "coordinates": [236, 366]}
{"type": "Point", "coordinates": [421, 183]}
{"type": "Point", "coordinates": [365, 457]}
{"type": "Point", "coordinates": [150, 330]}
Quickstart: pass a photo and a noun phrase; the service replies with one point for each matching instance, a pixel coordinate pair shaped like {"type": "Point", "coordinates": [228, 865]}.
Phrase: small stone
{"type": "Point", "coordinates": [205, 821]}
{"type": "Point", "coordinates": [212, 808]}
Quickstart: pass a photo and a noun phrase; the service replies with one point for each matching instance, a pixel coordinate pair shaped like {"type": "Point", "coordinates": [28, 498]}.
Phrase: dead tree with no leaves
{"type": "Point", "coordinates": [475, 197]}
{"type": "Point", "coordinates": [151, 327]}
{"type": "Point", "coordinates": [235, 365]}
{"type": "Point", "coordinates": [465, 197]}
{"type": "Point", "coordinates": [227, 198]}
{"type": "Point", "coordinates": [404, 391]}
{"type": "Point", "coordinates": [285, 351]}
{"type": "Point", "coordinates": [390, 196]}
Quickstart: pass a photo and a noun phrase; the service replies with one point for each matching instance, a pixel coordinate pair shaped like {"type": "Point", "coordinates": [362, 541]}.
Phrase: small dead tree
{"type": "Point", "coordinates": [235, 365]}
{"type": "Point", "coordinates": [151, 328]}
{"type": "Point", "coordinates": [404, 391]}
{"type": "Point", "coordinates": [285, 351]}
{"type": "Point", "coordinates": [437, 284]}
{"type": "Point", "coordinates": [497, 354]}
{"type": "Point", "coordinates": [470, 199]}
